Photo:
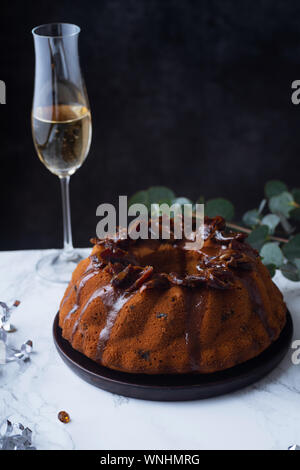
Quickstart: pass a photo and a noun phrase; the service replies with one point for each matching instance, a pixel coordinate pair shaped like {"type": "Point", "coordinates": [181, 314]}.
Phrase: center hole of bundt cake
{"type": "Point", "coordinates": [166, 258]}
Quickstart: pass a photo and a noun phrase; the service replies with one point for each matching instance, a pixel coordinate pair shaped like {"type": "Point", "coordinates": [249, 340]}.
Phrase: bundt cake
{"type": "Point", "coordinates": [153, 307]}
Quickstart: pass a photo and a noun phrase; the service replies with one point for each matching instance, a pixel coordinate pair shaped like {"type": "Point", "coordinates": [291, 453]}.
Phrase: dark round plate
{"type": "Point", "coordinates": [174, 387]}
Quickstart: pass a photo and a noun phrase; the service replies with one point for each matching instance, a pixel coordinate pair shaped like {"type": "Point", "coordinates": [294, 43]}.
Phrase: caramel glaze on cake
{"type": "Point", "coordinates": [151, 306]}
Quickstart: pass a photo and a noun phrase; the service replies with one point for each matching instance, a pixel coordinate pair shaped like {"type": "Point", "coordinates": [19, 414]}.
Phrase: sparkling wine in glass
{"type": "Point", "coordinates": [61, 126]}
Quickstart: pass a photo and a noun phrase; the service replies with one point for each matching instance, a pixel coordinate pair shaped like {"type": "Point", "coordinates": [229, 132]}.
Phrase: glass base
{"type": "Point", "coordinates": [58, 267]}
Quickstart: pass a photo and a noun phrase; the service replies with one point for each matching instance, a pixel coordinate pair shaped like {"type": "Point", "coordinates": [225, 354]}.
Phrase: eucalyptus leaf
{"type": "Point", "coordinates": [182, 201]}
{"type": "Point", "coordinates": [291, 250]}
{"type": "Point", "coordinates": [274, 188]}
{"type": "Point", "coordinates": [272, 254]}
{"type": "Point", "coordinates": [219, 206]}
{"type": "Point", "coordinates": [281, 204]}
{"type": "Point", "coordinates": [258, 237]}
{"type": "Point", "coordinates": [251, 218]}
{"type": "Point", "coordinates": [287, 227]}
{"type": "Point", "coordinates": [290, 271]}
{"type": "Point", "coordinates": [295, 214]}
{"type": "Point", "coordinates": [296, 262]}
{"type": "Point", "coordinates": [141, 197]}
{"type": "Point", "coordinates": [262, 206]}
{"type": "Point", "coordinates": [271, 220]}
{"type": "Point", "coordinates": [296, 195]}
{"type": "Point", "coordinates": [154, 195]}
{"type": "Point", "coordinates": [272, 269]}
{"type": "Point", "coordinates": [160, 195]}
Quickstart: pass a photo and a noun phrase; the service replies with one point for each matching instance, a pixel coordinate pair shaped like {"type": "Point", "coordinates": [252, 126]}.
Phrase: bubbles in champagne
{"type": "Point", "coordinates": [62, 136]}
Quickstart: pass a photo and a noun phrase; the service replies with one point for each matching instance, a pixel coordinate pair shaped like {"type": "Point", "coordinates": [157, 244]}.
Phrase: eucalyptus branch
{"type": "Point", "coordinates": [279, 207]}
{"type": "Point", "coordinates": [240, 228]}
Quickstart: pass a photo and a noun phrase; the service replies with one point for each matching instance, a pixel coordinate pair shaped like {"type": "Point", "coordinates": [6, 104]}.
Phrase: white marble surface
{"type": "Point", "coordinates": [263, 416]}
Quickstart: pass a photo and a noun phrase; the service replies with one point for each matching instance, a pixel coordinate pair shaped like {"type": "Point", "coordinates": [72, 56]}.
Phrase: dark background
{"type": "Point", "coordinates": [194, 95]}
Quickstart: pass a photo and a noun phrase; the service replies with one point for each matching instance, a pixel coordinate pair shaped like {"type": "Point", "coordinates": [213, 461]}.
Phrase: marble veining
{"type": "Point", "coordinates": [263, 416]}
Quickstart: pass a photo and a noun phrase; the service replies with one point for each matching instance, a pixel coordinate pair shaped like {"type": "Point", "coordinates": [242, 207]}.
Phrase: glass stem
{"type": "Point", "coordinates": [68, 250]}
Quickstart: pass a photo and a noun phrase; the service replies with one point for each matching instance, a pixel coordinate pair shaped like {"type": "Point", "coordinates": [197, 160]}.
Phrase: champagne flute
{"type": "Point", "coordinates": [61, 126]}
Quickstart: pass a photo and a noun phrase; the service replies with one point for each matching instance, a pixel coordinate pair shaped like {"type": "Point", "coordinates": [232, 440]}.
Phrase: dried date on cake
{"type": "Point", "coordinates": [132, 277]}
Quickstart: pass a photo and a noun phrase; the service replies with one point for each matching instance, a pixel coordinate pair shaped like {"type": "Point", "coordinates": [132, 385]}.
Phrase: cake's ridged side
{"type": "Point", "coordinates": [174, 330]}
